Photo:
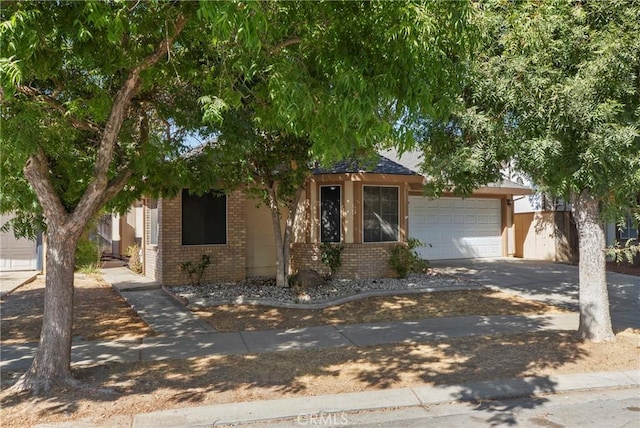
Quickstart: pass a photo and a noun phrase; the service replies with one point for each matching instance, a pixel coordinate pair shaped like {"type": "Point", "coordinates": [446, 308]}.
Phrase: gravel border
{"type": "Point", "coordinates": [262, 291]}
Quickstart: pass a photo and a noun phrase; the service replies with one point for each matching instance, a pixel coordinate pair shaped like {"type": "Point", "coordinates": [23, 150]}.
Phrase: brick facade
{"type": "Point", "coordinates": [368, 260]}
{"type": "Point", "coordinates": [227, 260]}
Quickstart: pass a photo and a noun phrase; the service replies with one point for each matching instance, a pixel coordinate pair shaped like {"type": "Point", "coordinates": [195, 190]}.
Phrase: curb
{"type": "Point", "coordinates": [340, 405]}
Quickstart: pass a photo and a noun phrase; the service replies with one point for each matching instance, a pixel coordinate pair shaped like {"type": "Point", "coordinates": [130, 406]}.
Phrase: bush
{"type": "Point", "coordinates": [87, 255]}
{"type": "Point", "coordinates": [196, 271]}
{"type": "Point", "coordinates": [405, 259]}
{"type": "Point", "coordinates": [133, 252]}
{"type": "Point", "coordinates": [331, 254]}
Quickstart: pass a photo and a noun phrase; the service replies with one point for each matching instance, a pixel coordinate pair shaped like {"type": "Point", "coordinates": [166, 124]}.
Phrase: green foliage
{"type": "Point", "coordinates": [554, 92]}
{"type": "Point", "coordinates": [133, 252]}
{"type": "Point", "coordinates": [629, 252]}
{"type": "Point", "coordinates": [330, 255]}
{"type": "Point", "coordinates": [404, 258]}
{"type": "Point", "coordinates": [88, 255]}
{"type": "Point", "coordinates": [196, 271]}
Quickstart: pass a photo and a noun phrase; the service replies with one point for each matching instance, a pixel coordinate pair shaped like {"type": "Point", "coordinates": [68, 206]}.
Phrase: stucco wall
{"type": "Point", "coordinates": [261, 244]}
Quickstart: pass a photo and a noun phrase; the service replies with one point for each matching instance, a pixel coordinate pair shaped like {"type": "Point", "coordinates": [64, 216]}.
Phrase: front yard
{"type": "Point", "coordinates": [149, 386]}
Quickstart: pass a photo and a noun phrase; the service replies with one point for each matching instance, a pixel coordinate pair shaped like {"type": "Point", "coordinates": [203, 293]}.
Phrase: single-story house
{"type": "Point", "coordinates": [369, 209]}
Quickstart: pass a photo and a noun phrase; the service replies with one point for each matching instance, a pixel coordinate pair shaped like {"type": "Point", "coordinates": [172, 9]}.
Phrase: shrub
{"type": "Point", "coordinates": [196, 271]}
{"type": "Point", "coordinates": [331, 254]}
{"type": "Point", "coordinates": [87, 255]}
{"type": "Point", "coordinates": [133, 252]}
{"type": "Point", "coordinates": [405, 259]}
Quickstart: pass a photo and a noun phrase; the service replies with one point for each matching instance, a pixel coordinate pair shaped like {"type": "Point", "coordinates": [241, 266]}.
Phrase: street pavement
{"type": "Point", "coordinates": [599, 407]}
{"type": "Point", "coordinates": [179, 334]}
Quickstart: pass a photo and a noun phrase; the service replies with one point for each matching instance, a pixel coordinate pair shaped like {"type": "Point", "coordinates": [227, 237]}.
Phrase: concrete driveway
{"type": "Point", "coordinates": [549, 282]}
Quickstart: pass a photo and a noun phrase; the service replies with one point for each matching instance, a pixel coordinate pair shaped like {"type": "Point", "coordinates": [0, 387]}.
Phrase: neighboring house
{"type": "Point", "coordinates": [19, 253]}
{"type": "Point", "coordinates": [545, 229]}
{"type": "Point", "coordinates": [367, 208]}
{"type": "Point", "coordinates": [117, 232]}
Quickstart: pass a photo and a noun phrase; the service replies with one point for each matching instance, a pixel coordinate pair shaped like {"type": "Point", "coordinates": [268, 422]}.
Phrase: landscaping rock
{"type": "Point", "coordinates": [309, 278]}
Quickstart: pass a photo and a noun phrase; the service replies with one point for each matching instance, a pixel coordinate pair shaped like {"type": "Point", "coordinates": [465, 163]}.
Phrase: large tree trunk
{"type": "Point", "coordinates": [595, 318]}
{"type": "Point", "coordinates": [51, 367]}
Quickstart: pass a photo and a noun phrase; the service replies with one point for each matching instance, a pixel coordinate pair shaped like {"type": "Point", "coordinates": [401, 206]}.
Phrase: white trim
{"type": "Point", "coordinates": [362, 215]}
{"type": "Point", "coordinates": [339, 186]}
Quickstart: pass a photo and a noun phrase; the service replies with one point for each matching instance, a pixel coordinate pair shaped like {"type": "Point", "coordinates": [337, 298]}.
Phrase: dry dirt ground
{"type": "Point", "coordinates": [373, 309]}
{"type": "Point", "coordinates": [149, 386]}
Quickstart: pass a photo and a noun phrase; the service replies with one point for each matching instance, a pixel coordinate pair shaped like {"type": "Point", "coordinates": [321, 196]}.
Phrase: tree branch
{"type": "Point", "coordinates": [85, 125]}
{"type": "Point", "coordinates": [286, 43]}
{"type": "Point", "coordinates": [92, 197]}
{"type": "Point", "coordinates": [36, 170]}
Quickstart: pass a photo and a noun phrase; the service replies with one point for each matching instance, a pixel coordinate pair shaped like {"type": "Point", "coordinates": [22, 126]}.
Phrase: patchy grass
{"type": "Point", "coordinates": [373, 309]}
{"type": "Point", "coordinates": [99, 313]}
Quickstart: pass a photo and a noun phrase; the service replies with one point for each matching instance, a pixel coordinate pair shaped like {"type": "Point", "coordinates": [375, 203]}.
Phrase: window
{"type": "Point", "coordinates": [380, 213]}
{"type": "Point", "coordinates": [330, 218]}
{"type": "Point", "coordinates": [629, 231]}
{"type": "Point", "coordinates": [204, 218]}
{"type": "Point", "coordinates": [152, 204]}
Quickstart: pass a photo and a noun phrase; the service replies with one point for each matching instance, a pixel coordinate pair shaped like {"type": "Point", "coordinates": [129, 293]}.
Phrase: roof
{"type": "Point", "coordinates": [413, 160]}
{"type": "Point", "coordinates": [378, 165]}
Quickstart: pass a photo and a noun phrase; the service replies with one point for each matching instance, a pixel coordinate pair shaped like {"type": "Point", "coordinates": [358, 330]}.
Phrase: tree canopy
{"type": "Point", "coordinates": [97, 97]}
{"type": "Point", "coordinates": [554, 89]}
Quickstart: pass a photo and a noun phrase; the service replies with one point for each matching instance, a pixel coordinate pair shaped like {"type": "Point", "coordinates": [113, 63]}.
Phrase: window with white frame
{"type": "Point", "coordinates": [380, 213]}
{"type": "Point", "coordinates": [204, 218]}
{"type": "Point", "coordinates": [330, 214]}
{"type": "Point", "coordinates": [152, 205]}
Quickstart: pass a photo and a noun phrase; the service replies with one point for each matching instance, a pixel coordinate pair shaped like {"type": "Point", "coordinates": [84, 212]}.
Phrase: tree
{"type": "Point", "coordinates": [355, 76]}
{"type": "Point", "coordinates": [270, 166]}
{"type": "Point", "coordinates": [97, 95]}
{"type": "Point", "coordinates": [554, 88]}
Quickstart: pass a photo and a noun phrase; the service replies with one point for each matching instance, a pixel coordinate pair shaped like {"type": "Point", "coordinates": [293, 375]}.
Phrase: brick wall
{"type": "Point", "coordinates": [368, 260]}
{"type": "Point", "coordinates": [227, 260]}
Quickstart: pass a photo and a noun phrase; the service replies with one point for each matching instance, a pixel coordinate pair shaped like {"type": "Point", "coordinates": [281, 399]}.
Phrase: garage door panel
{"type": "Point", "coordinates": [16, 253]}
{"type": "Point", "coordinates": [456, 228]}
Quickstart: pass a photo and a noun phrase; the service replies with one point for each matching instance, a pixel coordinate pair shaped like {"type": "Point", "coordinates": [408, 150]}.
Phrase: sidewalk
{"type": "Point", "coordinates": [9, 281]}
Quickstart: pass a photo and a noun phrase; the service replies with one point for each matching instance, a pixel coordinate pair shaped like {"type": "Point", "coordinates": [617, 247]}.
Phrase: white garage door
{"type": "Point", "coordinates": [456, 228]}
{"type": "Point", "coordinates": [15, 254]}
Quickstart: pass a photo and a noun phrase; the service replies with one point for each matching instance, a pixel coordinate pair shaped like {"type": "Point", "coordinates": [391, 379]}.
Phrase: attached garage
{"type": "Point", "coordinates": [455, 228]}
{"type": "Point", "coordinates": [16, 254]}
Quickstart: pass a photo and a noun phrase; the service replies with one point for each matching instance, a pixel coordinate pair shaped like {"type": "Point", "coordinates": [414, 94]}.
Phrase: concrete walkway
{"type": "Point", "coordinates": [9, 281]}
{"type": "Point", "coordinates": [146, 297]}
